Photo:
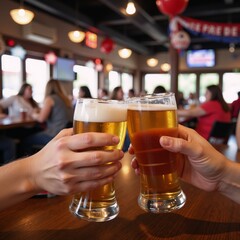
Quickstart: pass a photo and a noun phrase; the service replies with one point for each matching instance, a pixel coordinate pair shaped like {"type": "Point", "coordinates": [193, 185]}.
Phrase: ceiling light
{"type": "Point", "coordinates": [109, 67]}
{"type": "Point", "coordinates": [152, 62]}
{"type": "Point", "coordinates": [165, 67]}
{"type": "Point", "coordinates": [22, 16]}
{"type": "Point", "coordinates": [124, 53]}
{"type": "Point", "coordinates": [131, 9]}
{"type": "Point", "coordinates": [76, 36]}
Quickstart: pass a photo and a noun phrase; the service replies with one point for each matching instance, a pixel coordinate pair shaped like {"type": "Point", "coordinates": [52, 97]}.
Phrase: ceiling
{"type": "Point", "coordinates": [146, 32]}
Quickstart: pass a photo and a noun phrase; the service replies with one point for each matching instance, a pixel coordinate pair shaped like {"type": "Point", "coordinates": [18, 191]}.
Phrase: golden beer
{"type": "Point", "coordinates": [93, 115]}
{"type": "Point", "coordinates": [160, 190]}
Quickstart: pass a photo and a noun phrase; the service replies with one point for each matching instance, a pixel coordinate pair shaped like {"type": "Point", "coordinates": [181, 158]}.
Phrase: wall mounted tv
{"type": "Point", "coordinates": [63, 69]}
{"type": "Point", "coordinates": [201, 58]}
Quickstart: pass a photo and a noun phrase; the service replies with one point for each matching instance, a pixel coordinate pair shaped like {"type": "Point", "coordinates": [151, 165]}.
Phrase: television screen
{"type": "Point", "coordinates": [201, 58]}
{"type": "Point", "coordinates": [63, 69]}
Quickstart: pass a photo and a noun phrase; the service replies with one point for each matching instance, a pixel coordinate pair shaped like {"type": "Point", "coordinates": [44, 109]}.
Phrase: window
{"type": "Point", "coordinates": [12, 75]}
{"type": "Point", "coordinates": [207, 79]}
{"type": "Point", "coordinates": [127, 82]}
{"type": "Point", "coordinates": [37, 74]}
{"type": "Point", "coordinates": [187, 84]}
{"type": "Point", "coordinates": [86, 76]}
{"type": "Point", "coordinates": [231, 86]}
{"type": "Point", "coordinates": [153, 80]}
{"type": "Point", "coordinates": [114, 80]}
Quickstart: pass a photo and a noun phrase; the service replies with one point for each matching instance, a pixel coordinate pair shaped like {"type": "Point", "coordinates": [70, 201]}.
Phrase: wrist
{"type": "Point", "coordinates": [31, 176]}
{"type": "Point", "coordinates": [230, 182]}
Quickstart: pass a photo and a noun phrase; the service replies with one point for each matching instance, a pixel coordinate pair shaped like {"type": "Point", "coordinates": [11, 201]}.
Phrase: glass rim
{"type": "Point", "coordinates": [152, 96]}
{"type": "Point", "coordinates": [98, 100]}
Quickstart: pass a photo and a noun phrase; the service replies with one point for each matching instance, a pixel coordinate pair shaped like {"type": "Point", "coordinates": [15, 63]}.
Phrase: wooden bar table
{"type": "Point", "coordinates": [204, 216]}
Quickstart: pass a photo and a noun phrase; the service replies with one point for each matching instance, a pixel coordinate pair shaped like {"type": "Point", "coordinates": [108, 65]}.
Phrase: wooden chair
{"type": "Point", "coordinates": [220, 133]}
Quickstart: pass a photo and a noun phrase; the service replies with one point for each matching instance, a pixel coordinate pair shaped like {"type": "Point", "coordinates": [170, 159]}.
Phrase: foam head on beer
{"type": "Point", "coordinates": [94, 111]}
{"type": "Point", "coordinates": [151, 107]}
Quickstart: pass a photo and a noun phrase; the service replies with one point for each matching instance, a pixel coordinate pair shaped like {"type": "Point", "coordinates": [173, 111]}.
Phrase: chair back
{"type": "Point", "coordinates": [220, 133]}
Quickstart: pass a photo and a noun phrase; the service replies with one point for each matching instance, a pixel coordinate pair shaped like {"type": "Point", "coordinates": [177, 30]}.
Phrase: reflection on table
{"type": "Point", "coordinates": [9, 122]}
{"type": "Point", "coordinates": [204, 216]}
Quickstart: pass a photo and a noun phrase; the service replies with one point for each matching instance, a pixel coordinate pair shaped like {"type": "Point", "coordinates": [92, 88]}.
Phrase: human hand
{"type": "Point", "coordinates": [202, 165]}
{"type": "Point", "coordinates": [64, 167]}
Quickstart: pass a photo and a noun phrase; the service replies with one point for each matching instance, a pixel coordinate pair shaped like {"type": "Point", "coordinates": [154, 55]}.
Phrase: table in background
{"type": "Point", "coordinates": [204, 216]}
{"type": "Point", "coordinates": [8, 123]}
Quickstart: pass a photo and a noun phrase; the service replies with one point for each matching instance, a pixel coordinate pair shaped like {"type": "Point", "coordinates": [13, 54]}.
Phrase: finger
{"type": "Point", "coordinates": [64, 133]}
{"type": "Point", "coordinates": [86, 140]}
{"type": "Point", "coordinates": [91, 158]}
{"type": "Point", "coordinates": [130, 149]}
{"type": "Point", "coordinates": [180, 145]}
{"type": "Point", "coordinates": [96, 173]}
{"type": "Point", "coordinates": [90, 185]}
{"type": "Point", "coordinates": [134, 163]}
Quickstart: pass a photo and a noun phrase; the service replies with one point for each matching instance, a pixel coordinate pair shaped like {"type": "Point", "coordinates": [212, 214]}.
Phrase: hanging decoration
{"type": "Point", "coordinates": [18, 51]}
{"type": "Point", "coordinates": [107, 45]}
{"type": "Point", "coordinates": [90, 64]}
{"type": "Point", "coordinates": [50, 57]}
{"type": "Point", "coordinates": [224, 32]}
{"type": "Point", "coordinates": [10, 42]}
{"type": "Point", "coordinates": [171, 7]}
{"type": "Point", "coordinates": [98, 64]}
{"type": "Point", "coordinates": [2, 45]}
{"type": "Point", "coordinates": [180, 40]}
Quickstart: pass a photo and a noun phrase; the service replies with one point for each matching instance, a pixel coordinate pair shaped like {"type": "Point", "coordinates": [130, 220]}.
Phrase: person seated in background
{"type": "Point", "coordinates": [131, 93]}
{"type": "Point", "coordinates": [62, 167]}
{"type": "Point", "coordinates": [192, 100]}
{"type": "Point", "coordinates": [103, 93]}
{"type": "Point", "coordinates": [23, 100]}
{"type": "Point", "coordinates": [84, 92]}
{"type": "Point", "coordinates": [213, 109]}
{"type": "Point", "coordinates": [159, 89]}
{"type": "Point", "coordinates": [201, 164]}
{"type": "Point", "coordinates": [117, 93]}
{"type": "Point", "coordinates": [181, 101]}
{"type": "Point", "coordinates": [57, 112]}
{"type": "Point", "coordinates": [235, 107]}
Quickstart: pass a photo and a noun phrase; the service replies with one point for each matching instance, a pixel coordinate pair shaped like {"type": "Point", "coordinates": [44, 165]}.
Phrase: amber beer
{"type": "Point", "coordinates": [93, 115]}
{"type": "Point", "coordinates": [148, 119]}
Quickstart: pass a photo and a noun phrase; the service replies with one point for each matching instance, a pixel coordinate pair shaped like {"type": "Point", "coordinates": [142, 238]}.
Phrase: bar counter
{"type": "Point", "coordinates": [204, 216]}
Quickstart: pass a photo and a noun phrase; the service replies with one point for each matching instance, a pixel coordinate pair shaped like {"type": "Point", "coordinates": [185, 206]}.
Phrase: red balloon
{"type": "Point", "coordinates": [172, 7]}
{"type": "Point", "coordinates": [107, 45]}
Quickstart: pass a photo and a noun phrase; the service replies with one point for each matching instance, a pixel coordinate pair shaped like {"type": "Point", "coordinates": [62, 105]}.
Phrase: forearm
{"type": "Point", "coordinates": [230, 184]}
{"type": "Point", "coordinates": [15, 182]}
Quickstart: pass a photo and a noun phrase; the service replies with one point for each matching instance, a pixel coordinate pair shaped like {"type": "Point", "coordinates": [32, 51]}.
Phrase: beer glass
{"type": "Point", "coordinates": [148, 118]}
{"type": "Point", "coordinates": [94, 115]}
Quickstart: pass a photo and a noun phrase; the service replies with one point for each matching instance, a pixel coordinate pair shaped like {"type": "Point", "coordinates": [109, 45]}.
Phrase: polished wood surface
{"type": "Point", "coordinates": [8, 122]}
{"type": "Point", "coordinates": [204, 216]}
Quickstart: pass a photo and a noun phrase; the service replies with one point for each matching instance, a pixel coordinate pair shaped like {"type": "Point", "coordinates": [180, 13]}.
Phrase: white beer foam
{"type": "Point", "coordinates": [100, 112]}
{"type": "Point", "coordinates": [151, 107]}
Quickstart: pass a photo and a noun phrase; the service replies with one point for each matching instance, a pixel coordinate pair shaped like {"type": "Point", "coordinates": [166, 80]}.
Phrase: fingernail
{"type": "Point", "coordinates": [115, 139]}
{"type": "Point", "coordinates": [166, 141]}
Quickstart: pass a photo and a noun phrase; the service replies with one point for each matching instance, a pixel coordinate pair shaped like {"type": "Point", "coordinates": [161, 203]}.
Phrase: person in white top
{"type": "Point", "coordinates": [23, 100]}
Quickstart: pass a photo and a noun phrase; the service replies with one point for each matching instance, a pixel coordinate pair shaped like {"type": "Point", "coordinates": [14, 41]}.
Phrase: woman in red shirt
{"type": "Point", "coordinates": [213, 109]}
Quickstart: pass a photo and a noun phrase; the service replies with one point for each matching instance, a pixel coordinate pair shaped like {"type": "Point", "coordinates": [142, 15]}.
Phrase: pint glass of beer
{"type": "Point", "coordinates": [94, 115]}
{"type": "Point", "coordinates": [148, 118]}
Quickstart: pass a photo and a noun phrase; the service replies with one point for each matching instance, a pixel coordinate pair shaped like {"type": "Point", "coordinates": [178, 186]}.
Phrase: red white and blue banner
{"type": "Point", "coordinates": [224, 32]}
